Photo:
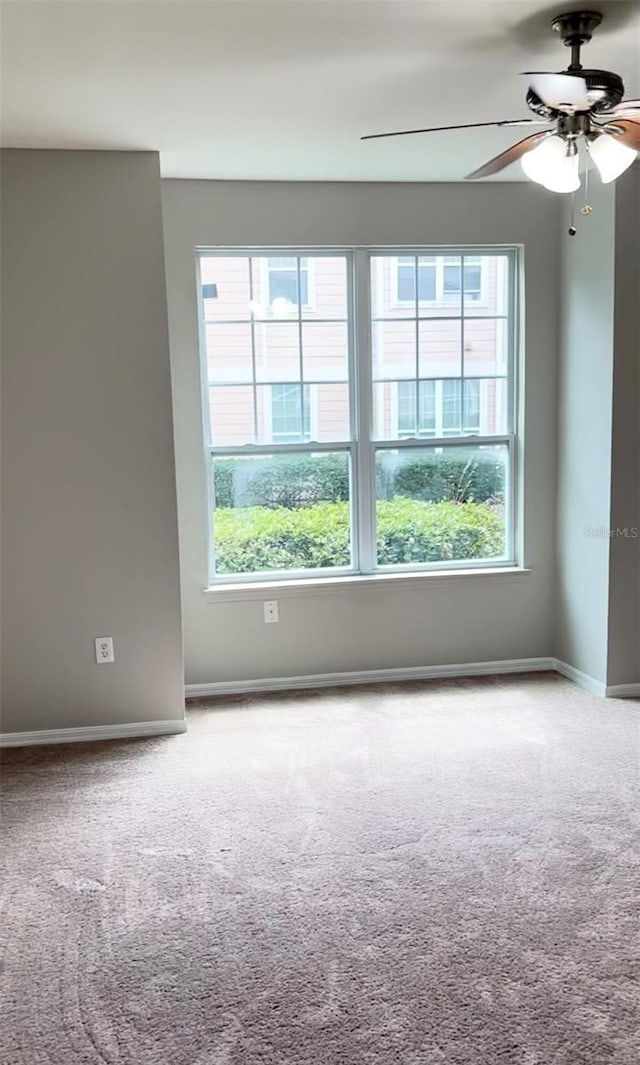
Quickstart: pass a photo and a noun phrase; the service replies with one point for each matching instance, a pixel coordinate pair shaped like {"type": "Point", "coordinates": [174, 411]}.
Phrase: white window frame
{"type": "Point", "coordinates": [441, 299]}
{"type": "Point", "coordinates": [362, 444]}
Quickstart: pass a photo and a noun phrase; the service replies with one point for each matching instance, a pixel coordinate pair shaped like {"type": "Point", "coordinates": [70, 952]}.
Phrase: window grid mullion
{"type": "Point", "coordinates": [463, 387]}
{"type": "Point", "coordinates": [417, 309]}
{"type": "Point", "coordinates": [364, 525]}
{"type": "Point", "coordinates": [253, 357]}
{"type": "Point", "coordinates": [300, 358]}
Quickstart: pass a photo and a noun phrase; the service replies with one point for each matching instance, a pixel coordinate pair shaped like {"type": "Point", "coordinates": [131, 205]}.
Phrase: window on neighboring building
{"type": "Point", "coordinates": [288, 279]}
{"type": "Point", "coordinates": [416, 408]}
{"type": "Point", "coordinates": [435, 408]}
{"type": "Point", "coordinates": [358, 435]}
{"type": "Point", "coordinates": [411, 272]}
{"type": "Point", "coordinates": [438, 279]}
{"type": "Point", "coordinates": [290, 413]}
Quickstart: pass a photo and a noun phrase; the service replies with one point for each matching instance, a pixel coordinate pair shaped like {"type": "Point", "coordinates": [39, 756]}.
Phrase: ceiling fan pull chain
{"type": "Point", "coordinates": [587, 209]}
{"type": "Point", "coordinates": [572, 226]}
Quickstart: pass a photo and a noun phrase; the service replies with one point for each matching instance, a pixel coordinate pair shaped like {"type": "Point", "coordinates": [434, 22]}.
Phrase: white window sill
{"type": "Point", "coordinates": [314, 586]}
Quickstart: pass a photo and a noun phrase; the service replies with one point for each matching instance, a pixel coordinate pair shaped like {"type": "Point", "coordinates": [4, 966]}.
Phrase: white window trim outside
{"type": "Point", "coordinates": [362, 446]}
{"type": "Point", "coordinates": [440, 300]}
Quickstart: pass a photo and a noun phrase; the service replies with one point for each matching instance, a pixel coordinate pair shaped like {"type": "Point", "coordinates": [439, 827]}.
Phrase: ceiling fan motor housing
{"type": "Point", "coordinates": [604, 89]}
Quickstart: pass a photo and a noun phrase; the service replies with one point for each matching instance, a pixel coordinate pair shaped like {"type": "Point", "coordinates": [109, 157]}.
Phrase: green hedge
{"type": "Point", "coordinates": [462, 477]}
{"type": "Point", "coordinates": [255, 539]}
{"type": "Point", "coordinates": [301, 481]}
{"type": "Point", "coordinates": [283, 481]}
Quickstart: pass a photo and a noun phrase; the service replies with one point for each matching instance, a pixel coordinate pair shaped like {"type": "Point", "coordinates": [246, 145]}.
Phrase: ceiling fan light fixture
{"type": "Point", "coordinates": [553, 164]}
{"type": "Point", "coordinates": [610, 156]}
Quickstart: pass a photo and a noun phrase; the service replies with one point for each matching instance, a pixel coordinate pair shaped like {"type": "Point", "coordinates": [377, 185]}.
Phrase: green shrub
{"type": "Point", "coordinates": [463, 477]}
{"type": "Point", "coordinates": [261, 538]}
{"type": "Point", "coordinates": [301, 481]}
{"type": "Point", "coordinates": [411, 531]}
{"type": "Point", "coordinates": [256, 539]}
{"type": "Point", "coordinates": [290, 481]}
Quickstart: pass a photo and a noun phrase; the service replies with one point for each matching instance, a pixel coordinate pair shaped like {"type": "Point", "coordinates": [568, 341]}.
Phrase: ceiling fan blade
{"type": "Point", "coordinates": [512, 154]}
{"type": "Point", "coordinates": [466, 125]}
{"type": "Point", "coordinates": [562, 92]}
{"type": "Point", "coordinates": [626, 105]}
{"type": "Point", "coordinates": [623, 112]}
{"type": "Point", "coordinates": [630, 134]}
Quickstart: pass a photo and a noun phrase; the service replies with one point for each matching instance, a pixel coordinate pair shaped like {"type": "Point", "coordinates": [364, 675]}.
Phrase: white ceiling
{"type": "Point", "coordinates": [283, 89]}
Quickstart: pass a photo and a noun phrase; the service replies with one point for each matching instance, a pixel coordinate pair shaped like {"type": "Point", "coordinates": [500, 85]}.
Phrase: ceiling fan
{"type": "Point", "coordinates": [583, 104]}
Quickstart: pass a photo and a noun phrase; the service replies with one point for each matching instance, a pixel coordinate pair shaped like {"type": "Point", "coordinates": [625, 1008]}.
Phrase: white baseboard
{"type": "Point", "coordinates": [623, 691]}
{"type": "Point", "coordinates": [93, 732]}
{"type": "Point", "coordinates": [369, 676]}
{"type": "Point", "coordinates": [583, 680]}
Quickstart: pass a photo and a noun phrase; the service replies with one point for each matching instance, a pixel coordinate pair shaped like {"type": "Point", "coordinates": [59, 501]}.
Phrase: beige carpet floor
{"type": "Point", "coordinates": [424, 874]}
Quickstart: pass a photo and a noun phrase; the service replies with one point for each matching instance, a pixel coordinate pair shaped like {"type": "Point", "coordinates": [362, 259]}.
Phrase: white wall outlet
{"type": "Point", "coordinates": [271, 613]}
{"type": "Point", "coordinates": [104, 649]}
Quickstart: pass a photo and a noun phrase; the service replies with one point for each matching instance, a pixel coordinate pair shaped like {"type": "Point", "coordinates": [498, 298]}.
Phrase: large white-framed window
{"type": "Point", "coordinates": [358, 438]}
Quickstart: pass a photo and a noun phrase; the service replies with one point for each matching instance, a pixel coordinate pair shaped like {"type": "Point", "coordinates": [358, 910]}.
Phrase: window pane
{"type": "Point", "coordinates": [451, 408]}
{"type": "Point", "coordinates": [407, 400]}
{"type": "Point", "coordinates": [228, 351]}
{"type": "Point", "coordinates": [406, 288]}
{"type": "Point", "coordinates": [327, 287]}
{"type": "Point", "coordinates": [330, 406]}
{"type": "Point", "coordinates": [277, 351]}
{"type": "Point", "coordinates": [440, 504]}
{"type": "Point", "coordinates": [416, 403]}
{"type": "Point", "coordinates": [231, 417]}
{"type": "Point", "coordinates": [472, 280]}
{"type": "Point", "coordinates": [225, 286]}
{"type": "Point", "coordinates": [451, 276]}
{"type": "Point", "coordinates": [486, 347]}
{"type": "Point", "coordinates": [440, 348]}
{"type": "Point", "coordinates": [471, 407]}
{"type": "Point", "coordinates": [486, 285]}
{"type": "Point", "coordinates": [384, 271]}
{"type": "Point", "coordinates": [288, 283]}
{"type": "Point", "coordinates": [486, 406]}
{"type": "Point", "coordinates": [290, 413]}
{"type": "Point", "coordinates": [281, 512]}
{"type": "Point", "coordinates": [394, 350]}
{"type": "Point", "coordinates": [426, 280]}
{"type": "Point", "coordinates": [325, 351]}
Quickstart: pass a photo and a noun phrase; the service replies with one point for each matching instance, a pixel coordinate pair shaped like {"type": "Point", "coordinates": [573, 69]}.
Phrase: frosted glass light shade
{"type": "Point", "coordinates": [551, 166]}
{"type": "Point", "coordinates": [610, 156]}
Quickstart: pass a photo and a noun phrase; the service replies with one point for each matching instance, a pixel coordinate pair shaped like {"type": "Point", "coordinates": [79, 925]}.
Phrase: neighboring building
{"type": "Point", "coordinates": [439, 358]}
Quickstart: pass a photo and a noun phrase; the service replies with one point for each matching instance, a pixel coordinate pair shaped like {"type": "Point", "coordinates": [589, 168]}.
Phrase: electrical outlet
{"type": "Point", "coordinates": [104, 649]}
{"type": "Point", "coordinates": [271, 614]}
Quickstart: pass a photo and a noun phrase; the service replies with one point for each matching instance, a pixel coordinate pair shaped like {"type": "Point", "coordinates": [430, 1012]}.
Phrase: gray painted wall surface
{"type": "Point", "coordinates": [90, 534]}
{"type": "Point", "coordinates": [424, 623]}
{"type": "Point", "coordinates": [584, 436]}
{"type": "Point", "coordinates": [624, 571]}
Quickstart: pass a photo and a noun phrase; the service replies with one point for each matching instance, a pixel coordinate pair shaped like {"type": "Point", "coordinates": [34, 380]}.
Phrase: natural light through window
{"type": "Point", "coordinates": [359, 410]}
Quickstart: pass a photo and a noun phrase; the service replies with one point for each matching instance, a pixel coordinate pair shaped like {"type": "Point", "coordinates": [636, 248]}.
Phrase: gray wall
{"type": "Point", "coordinates": [88, 494]}
{"type": "Point", "coordinates": [421, 623]}
{"type": "Point", "coordinates": [584, 436]}
{"type": "Point", "coordinates": [624, 564]}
